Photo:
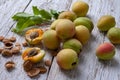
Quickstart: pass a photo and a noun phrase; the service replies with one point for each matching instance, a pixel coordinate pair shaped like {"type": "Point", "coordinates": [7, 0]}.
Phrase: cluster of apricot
{"type": "Point", "coordinates": [70, 32]}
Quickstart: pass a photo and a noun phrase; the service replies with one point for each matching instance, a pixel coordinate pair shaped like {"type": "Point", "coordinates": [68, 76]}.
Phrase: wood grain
{"type": "Point", "coordinates": [89, 67]}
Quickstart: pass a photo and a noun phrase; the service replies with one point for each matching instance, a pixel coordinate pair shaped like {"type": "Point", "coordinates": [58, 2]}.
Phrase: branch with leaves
{"type": "Point", "coordinates": [39, 16]}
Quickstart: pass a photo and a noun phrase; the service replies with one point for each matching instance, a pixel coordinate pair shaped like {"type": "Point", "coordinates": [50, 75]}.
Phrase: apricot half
{"type": "Point", "coordinates": [34, 36]}
{"type": "Point", "coordinates": [33, 54]}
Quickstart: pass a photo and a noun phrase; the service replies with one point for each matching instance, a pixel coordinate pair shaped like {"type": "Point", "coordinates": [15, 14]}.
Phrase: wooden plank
{"type": "Point", "coordinates": [89, 68]}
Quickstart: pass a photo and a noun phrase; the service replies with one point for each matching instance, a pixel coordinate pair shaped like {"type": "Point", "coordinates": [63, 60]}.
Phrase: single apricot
{"type": "Point", "coordinates": [67, 15]}
{"type": "Point", "coordinates": [82, 34]}
{"type": "Point", "coordinates": [65, 29]}
{"type": "Point", "coordinates": [84, 21]}
{"type": "Point", "coordinates": [73, 44]}
{"type": "Point", "coordinates": [114, 35]}
{"type": "Point", "coordinates": [105, 51]}
{"type": "Point", "coordinates": [80, 8]}
{"type": "Point", "coordinates": [106, 22]}
{"type": "Point", "coordinates": [54, 23]}
{"type": "Point", "coordinates": [67, 59]}
{"type": "Point", "coordinates": [50, 39]}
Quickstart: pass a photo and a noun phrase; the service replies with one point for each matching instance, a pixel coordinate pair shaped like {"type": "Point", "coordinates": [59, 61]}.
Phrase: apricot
{"type": "Point", "coordinates": [67, 15]}
{"type": "Point", "coordinates": [34, 55]}
{"type": "Point", "coordinates": [73, 44]}
{"type": "Point", "coordinates": [65, 29]}
{"type": "Point", "coordinates": [80, 8]}
{"type": "Point", "coordinates": [67, 59]}
{"type": "Point", "coordinates": [114, 35]}
{"type": "Point", "coordinates": [54, 23]}
{"type": "Point", "coordinates": [84, 21]}
{"type": "Point", "coordinates": [106, 22]}
{"type": "Point", "coordinates": [82, 34]}
{"type": "Point", "coordinates": [105, 51]}
{"type": "Point", "coordinates": [50, 39]}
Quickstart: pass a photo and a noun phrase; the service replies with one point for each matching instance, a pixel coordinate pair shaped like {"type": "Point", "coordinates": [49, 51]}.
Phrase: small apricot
{"type": "Point", "coordinates": [105, 51]}
{"type": "Point", "coordinates": [65, 29]}
{"type": "Point", "coordinates": [80, 8]}
{"type": "Point", "coordinates": [106, 22]}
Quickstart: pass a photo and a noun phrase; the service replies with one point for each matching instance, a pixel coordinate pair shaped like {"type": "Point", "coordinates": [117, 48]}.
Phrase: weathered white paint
{"type": "Point", "coordinates": [89, 67]}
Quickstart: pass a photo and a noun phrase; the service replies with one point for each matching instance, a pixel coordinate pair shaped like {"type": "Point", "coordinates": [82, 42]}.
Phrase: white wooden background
{"type": "Point", "coordinates": [89, 67]}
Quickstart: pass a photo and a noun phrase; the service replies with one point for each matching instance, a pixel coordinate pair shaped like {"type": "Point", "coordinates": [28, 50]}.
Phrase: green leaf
{"type": "Point", "coordinates": [35, 10]}
{"type": "Point", "coordinates": [21, 15]}
{"type": "Point", "coordinates": [55, 13]}
{"type": "Point", "coordinates": [36, 19]}
{"type": "Point", "coordinates": [23, 24]}
{"type": "Point", "coordinates": [45, 14]}
{"type": "Point", "coordinates": [25, 20]}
